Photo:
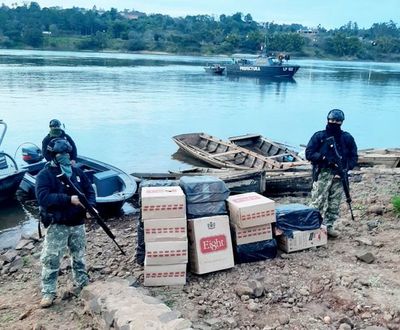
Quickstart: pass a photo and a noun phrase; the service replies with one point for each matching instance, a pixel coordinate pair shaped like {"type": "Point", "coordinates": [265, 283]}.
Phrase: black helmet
{"type": "Point", "coordinates": [59, 146]}
{"type": "Point", "coordinates": [55, 123]}
{"type": "Point", "coordinates": [336, 114]}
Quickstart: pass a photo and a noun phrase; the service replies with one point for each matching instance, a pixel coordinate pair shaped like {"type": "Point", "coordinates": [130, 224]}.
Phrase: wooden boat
{"type": "Point", "coordinates": [268, 148]}
{"type": "Point", "coordinates": [215, 69]}
{"type": "Point", "coordinates": [10, 175]}
{"type": "Point", "coordinates": [113, 186]}
{"type": "Point", "coordinates": [283, 183]}
{"type": "Point", "coordinates": [238, 181]}
{"type": "Point", "coordinates": [387, 157]}
{"type": "Point", "coordinates": [221, 154]}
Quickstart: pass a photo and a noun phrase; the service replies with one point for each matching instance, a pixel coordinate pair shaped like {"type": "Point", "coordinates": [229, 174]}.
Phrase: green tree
{"type": "Point", "coordinates": [33, 36]}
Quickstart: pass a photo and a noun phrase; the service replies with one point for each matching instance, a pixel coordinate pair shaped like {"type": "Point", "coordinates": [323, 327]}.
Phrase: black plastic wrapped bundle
{"type": "Point", "coordinates": [203, 189]}
{"type": "Point", "coordinates": [200, 210]}
{"type": "Point", "coordinates": [256, 251]}
{"type": "Point", "coordinates": [301, 217]}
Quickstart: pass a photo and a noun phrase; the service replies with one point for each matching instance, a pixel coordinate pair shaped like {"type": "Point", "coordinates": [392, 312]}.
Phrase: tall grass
{"type": "Point", "coordinates": [396, 205]}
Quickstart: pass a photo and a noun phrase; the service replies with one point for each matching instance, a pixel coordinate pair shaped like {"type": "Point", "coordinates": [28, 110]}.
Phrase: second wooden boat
{"type": "Point", "coordinates": [268, 148]}
{"type": "Point", "coordinates": [221, 154]}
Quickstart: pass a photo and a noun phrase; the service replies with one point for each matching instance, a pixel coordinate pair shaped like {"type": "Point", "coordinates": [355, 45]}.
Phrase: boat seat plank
{"type": "Point", "coordinates": [280, 155]}
{"type": "Point", "coordinates": [230, 152]}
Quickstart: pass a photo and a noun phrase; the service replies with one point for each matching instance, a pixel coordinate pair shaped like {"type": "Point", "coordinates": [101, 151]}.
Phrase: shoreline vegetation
{"type": "Point", "coordinates": [30, 27]}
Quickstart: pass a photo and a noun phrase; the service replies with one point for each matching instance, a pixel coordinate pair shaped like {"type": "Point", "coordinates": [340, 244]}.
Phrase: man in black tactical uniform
{"type": "Point", "coordinates": [64, 216]}
{"type": "Point", "coordinates": [57, 132]}
{"type": "Point", "coordinates": [327, 187]}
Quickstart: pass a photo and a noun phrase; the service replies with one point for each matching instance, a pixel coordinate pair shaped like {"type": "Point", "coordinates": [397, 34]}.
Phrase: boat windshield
{"type": "Point", "coordinates": [243, 61]}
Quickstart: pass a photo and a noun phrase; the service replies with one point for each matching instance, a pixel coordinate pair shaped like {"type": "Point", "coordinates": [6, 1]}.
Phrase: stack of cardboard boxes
{"type": "Point", "coordinates": [210, 244]}
{"type": "Point", "coordinates": [298, 227]}
{"type": "Point", "coordinates": [251, 216]}
{"type": "Point", "coordinates": [165, 235]}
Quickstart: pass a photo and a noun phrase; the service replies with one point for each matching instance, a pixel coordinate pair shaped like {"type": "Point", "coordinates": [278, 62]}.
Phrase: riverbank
{"type": "Point", "coordinates": [307, 54]}
{"type": "Point", "coordinates": [323, 288]}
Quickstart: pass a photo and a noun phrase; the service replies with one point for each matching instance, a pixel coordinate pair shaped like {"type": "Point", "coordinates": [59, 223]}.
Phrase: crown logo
{"type": "Point", "coordinates": [211, 225]}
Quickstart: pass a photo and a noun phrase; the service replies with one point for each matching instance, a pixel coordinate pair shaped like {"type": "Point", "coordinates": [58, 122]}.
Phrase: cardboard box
{"type": "Point", "coordinates": [210, 244]}
{"type": "Point", "coordinates": [164, 275]}
{"type": "Point", "coordinates": [251, 234]}
{"type": "Point", "coordinates": [303, 240]}
{"type": "Point", "coordinates": [163, 202]}
{"type": "Point", "coordinates": [168, 252]}
{"type": "Point", "coordinates": [156, 230]}
{"type": "Point", "coordinates": [251, 209]}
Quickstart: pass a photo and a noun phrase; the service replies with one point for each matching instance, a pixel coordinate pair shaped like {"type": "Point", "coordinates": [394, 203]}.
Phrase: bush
{"type": "Point", "coordinates": [396, 204]}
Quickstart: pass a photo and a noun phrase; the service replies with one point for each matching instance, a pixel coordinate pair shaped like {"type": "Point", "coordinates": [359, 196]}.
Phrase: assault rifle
{"type": "Point", "coordinates": [89, 208]}
{"type": "Point", "coordinates": [334, 157]}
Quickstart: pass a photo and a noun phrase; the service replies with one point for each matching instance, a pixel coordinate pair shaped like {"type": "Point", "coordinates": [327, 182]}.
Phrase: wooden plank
{"type": "Point", "coordinates": [230, 152]}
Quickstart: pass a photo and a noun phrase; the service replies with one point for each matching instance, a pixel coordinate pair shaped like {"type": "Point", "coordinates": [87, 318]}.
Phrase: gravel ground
{"type": "Point", "coordinates": [332, 287]}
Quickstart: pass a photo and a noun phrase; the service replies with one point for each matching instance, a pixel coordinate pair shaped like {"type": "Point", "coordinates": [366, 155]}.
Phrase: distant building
{"type": "Point", "coordinates": [131, 15]}
{"type": "Point", "coordinates": [308, 32]}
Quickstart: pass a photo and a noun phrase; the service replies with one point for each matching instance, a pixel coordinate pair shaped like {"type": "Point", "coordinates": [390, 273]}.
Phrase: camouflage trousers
{"type": "Point", "coordinates": [326, 196]}
{"type": "Point", "coordinates": [58, 238]}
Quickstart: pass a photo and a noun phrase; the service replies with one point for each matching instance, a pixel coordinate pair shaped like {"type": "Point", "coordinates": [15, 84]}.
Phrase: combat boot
{"type": "Point", "coordinates": [46, 301]}
{"type": "Point", "coordinates": [332, 233]}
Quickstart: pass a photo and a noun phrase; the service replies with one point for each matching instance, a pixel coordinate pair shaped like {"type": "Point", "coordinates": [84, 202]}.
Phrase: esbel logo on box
{"type": "Point", "coordinates": [213, 244]}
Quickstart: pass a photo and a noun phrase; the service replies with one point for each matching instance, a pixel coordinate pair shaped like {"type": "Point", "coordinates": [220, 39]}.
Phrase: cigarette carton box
{"type": "Point", "coordinates": [303, 240]}
{"type": "Point", "coordinates": [210, 244]}
{"type": "Point", "coordinates": [251, 234]}
{"type": "Point", "coordinates": [159, 275]}
{"type": "Point", "coordinates": [251, 209]}
{"type": "Point", "coordinates": [163, 202]}
{"type": "Point", "coordinates": [168, 252]}
{"type": "Point", "coordinates": [156, 230]}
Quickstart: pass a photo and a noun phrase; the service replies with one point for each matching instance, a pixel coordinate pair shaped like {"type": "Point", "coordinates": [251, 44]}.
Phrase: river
{"type": "Point", "coordinates": [124, 108]}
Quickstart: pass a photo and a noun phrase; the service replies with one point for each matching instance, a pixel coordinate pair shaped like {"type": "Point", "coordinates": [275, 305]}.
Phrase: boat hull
{"type": "Point", "coordinates": [268, 148]}
{"type": "Point", "coordinates": [9, 185]}
{"type": "Point", "coordinates": [113, 186]}
{"type": "Point", "coordinates": [237, 181]}
{"type": "Point", "coordinates": [214, 70]}
{"type": "Point", "coordinates": [384, 157]}
{"type": "Point", "coordinates": [260, 71]}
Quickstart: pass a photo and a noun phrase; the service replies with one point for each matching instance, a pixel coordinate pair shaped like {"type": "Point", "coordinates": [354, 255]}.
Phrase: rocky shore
{"type": "Point", "coordinates": [353, 283]}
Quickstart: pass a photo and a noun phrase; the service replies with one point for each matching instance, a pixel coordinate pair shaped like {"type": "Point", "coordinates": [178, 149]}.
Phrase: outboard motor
{"type": "Point", "coordinates": [32, 154]}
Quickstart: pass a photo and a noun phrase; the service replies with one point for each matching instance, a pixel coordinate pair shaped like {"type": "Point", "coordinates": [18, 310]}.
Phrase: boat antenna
{"type": "Point", "coordinates": [4, 130]}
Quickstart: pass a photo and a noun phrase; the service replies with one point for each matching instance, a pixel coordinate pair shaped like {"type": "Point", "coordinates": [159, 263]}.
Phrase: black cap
{"type": "Point", "coordinates": [336, 114]}
{"type": "Point", "coordinates": [55, 123]}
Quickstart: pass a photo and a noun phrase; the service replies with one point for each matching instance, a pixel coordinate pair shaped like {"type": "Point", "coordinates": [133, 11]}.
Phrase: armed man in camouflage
{"type": "Point", "coordinates": [64, 217]}
{"type": "Point", "coordinates": [327, 187]}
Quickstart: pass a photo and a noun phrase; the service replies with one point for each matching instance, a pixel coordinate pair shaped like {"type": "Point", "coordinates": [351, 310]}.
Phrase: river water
{"type": "Point", "coordinates": [123, 109]}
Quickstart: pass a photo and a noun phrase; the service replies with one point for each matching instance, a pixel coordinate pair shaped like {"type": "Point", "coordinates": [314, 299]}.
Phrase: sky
{"type": "Point", "coordinates": [310, 13]}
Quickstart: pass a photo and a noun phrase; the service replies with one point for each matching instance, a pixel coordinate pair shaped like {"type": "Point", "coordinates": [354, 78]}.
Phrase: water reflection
{"type": "Point", "coordinates": [94, 60]}
{"type": "Point", "coordinates": [338, 71]}
{"type": "Point", "coordinates": [16, 219]}
{"type": "Point", "coordinates": [264, 80]}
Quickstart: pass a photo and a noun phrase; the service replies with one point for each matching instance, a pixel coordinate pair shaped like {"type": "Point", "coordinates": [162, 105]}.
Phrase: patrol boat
{"type": "Point", "coordinates": [262, 66]}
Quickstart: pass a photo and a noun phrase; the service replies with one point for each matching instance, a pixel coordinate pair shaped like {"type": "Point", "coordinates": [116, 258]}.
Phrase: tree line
{"type": "Point", "coordinates": [30, 26]}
